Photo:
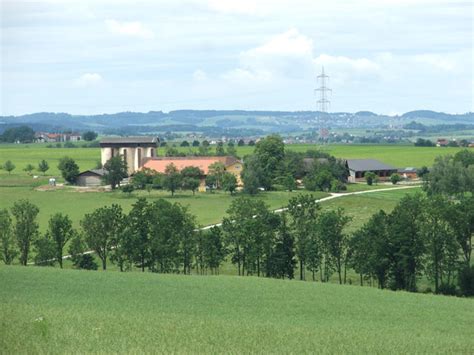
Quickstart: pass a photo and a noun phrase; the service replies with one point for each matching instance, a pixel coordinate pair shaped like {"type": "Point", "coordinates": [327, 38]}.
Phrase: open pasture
{"type": "Point", "coordinates": [48, 310]}
{"type": "Point", "coordinates": [361, 207]}
{"type": "Point", "coordinates": [400, 156]}
{"type": "Point", "coordinates": [207, 207]}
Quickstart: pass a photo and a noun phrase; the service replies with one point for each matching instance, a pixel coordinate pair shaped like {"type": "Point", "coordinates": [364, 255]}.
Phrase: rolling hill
{"type": "Point", "coordinates": [45, 310]}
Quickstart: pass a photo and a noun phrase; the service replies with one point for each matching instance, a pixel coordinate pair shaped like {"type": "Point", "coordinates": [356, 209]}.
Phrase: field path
{"type": "Point", "coordinates": [332, 196]}
{"type": "Point", "coordinates": [280, 210]}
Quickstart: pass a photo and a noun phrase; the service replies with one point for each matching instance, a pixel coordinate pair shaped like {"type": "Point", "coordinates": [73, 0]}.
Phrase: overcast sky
{"type": "Point", "coordinates": [386, 56]}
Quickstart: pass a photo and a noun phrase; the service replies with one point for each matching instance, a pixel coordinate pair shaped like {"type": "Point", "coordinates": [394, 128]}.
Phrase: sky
{"type": "Point", "coordinates": [106, 56]}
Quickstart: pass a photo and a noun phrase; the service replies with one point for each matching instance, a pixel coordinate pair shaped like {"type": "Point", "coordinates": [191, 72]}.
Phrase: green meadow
{"type": "Point", "coordinates": [361, 207]}
{"type": "Point", "coordinates": [87, 158]}
{"type": "Point", "coordinates": [48, 310]}
{"type": "Point", "coordinates": [208, 208]}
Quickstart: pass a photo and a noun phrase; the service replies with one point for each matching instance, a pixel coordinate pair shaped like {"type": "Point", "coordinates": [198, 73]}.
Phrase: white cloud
{"type": "Point", "coordinates": [132, 29]}
{"type": "Point", "coordinates": [88, 80]}
{"type": "Point", "coordinates": [290, 43]}
{"type": "Point", "coordinates": [288, 54]}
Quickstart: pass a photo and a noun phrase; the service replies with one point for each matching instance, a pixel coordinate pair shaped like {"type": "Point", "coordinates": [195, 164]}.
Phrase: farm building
{"type": "Point", "coordinates": [231, 164]}
{"type": "Point", "coordinates": [134, 150]}
{"type": "Point", "coordinates": [90, 178]}
{"type": "Point", "coordinates": [408, 173]}
{"type": "Point", "coordinates": [358, 167]}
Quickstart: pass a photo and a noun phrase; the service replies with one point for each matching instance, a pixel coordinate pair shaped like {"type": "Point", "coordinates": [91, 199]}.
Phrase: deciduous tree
{"type": "Point", "coordinates": [102, 228]}
{"type": "Point", "coordinates": [172, 179]}
{"type": "Point", "coordinates": [69, 169]}
{"type": "Point", "coordinates": [303, 210]}
{"type": "Point", "coordinates": [43, 166]}
{"type": "Point", "coordinates": [229, 182]}
{"type": "Point", "coordinates": [115, 171]}
{"type": "Point", "coordinates": [6, 238]}
{"type": "Point", "coordinates": [25, 227]}
{"type": "Point", "coordinates": [9, 166]}
{"type": "Point", "coordinates": [60, 231]}
{"type": "Point", "coordinates": [191, 177]}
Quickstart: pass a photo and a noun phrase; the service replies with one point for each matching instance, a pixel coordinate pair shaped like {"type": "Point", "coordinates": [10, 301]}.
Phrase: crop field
{"type": "Point", "coordinates": [399, 156]}
{"type": "Point", "coordinates": [46, 310]}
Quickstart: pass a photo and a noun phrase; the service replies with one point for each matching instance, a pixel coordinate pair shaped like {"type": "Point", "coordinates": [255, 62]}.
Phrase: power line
{"type": "Point", "coordinates": [323, 90]}
{"type": "Point", "coordinates": [323, 104]}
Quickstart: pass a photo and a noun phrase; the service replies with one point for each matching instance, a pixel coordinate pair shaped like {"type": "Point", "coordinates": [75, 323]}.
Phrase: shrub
{"type": "Point", "coordinates": [158, 181]}
{"type": "Point", "coordinates": [128, 189]}
{"type": "Point", "coordinates": [86, 262]}
{"type": "Point", "coordinates": [395, 178]}
{"type": "Point", "coordinates": [370, 177]}
{"type": "Point", "coordinates": [337, 185]}
{"type": "Point", "coordinates": [447, 289]}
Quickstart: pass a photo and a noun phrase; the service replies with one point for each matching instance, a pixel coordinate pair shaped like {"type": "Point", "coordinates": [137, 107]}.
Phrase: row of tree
{"type": "Point", "coordinates": [422, 236]}
{"type": "Point", "coordinates": [9, 166]}
{"type": "Point", "coordinates": [189, 178]}
{"type": "Point", "coordinates": [156, 236]}
{"type": "Point", "coordinates": [203, 149]}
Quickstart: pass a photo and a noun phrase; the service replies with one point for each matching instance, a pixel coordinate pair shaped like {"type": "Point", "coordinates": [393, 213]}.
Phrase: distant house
{"type": "Point", "coordinates": [408, 173]}
{"type": "Point", "coordinates": [231, 164]}
{"type": "Point", "coordinates": [72, 137]}
{"type": "Point", "coordinates": [45, 137]}
{"type": "Point", "coordinates": [90, 178]}
{"type": "Point", "coordinates": [358, 167]}
{"type": "Point", "coordinates": [442, 142]}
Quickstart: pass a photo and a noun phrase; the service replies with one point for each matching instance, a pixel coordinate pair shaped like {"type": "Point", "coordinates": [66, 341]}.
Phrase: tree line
{"type": "Point", "coordinates": [421, 237]}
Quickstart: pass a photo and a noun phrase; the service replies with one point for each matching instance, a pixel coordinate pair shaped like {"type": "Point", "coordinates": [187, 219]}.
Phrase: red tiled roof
{"type": "Point", "coordinates": [160, 164]}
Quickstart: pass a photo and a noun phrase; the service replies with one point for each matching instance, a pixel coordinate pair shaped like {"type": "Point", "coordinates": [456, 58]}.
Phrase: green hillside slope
{"type": "Point", "coordinates": [63, 311]}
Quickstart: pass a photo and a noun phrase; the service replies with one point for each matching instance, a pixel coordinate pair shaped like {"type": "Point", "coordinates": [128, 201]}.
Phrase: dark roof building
{"type": "Point", "coordinates": [358, 167]}
{"type": "Point", "coordinates": [140, 141]}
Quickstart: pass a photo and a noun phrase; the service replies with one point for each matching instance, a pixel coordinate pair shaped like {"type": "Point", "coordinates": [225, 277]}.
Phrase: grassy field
{"type": "Point", "coordinates": [397, 155]}
{"type": "Point", "coordinates": [361, 207]}
{"type": "Point", "coordinates": [44, 310]}
{"type": "Point", "coordinates": [207, 207]}
{"type": "Point", "coordinates": [400, 156]}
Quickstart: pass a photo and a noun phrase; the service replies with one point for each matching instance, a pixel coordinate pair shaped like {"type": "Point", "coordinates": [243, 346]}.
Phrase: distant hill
{"type": "Point", "coordinates": [223, 122]}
